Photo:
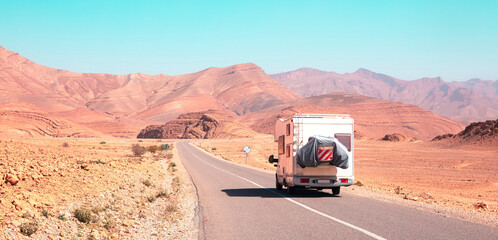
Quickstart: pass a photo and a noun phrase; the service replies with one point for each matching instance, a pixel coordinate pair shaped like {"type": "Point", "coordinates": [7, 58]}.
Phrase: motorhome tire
{"type": "Point", "coordinates": [278, 186]}
{"type": "Point", "coordinates": [336, 190]}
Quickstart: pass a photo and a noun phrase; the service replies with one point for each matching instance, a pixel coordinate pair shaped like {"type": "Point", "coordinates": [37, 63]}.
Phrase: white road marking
{"type": "Point", "coordinates": [373, 235]}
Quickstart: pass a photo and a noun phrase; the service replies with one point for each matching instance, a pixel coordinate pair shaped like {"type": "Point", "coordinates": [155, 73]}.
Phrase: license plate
{"type": "Point", "coordinates": [323, 181]}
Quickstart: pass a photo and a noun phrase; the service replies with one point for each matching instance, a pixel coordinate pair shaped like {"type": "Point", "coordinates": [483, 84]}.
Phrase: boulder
{"type": "Point", "coordinates": [12, 179]}
{"type": "Point", "coordinates": [396, 137]}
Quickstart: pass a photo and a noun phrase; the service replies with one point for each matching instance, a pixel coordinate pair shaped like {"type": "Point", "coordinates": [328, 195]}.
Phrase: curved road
{"type": "Point", "coordinates": [242, 203]}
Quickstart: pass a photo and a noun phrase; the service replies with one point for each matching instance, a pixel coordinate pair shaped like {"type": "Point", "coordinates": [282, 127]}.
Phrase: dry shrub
{"type": "Point", "coordinates": [137, 150]}
{"type": "Point", "coordinates": [359, 184]}
{"type": "Point", "coordinates": [172, 166]}
{"type": "Point", "coordinates": [83, 215]}
{"type": "Point", "coordinates": [162, 194]}
{"type": "Point", "coordinates": [147, 183]}
{"type": "Point", "coordinates": [62, 217]}
{"type": "Point", "coordinates": [65, 144]}
{"type": "Point", "coordinates": [29, 228]}
{"type": "Point", "coordinates": [152, 148]}
{"type": "Point", "coordinates": [172, 208]}
{"type": "Point", "coordinates": [109, 223]}
{"type": "Point", "coordinates": [175, 184]}
{"type": "Point", "coordinates": [97, 209]}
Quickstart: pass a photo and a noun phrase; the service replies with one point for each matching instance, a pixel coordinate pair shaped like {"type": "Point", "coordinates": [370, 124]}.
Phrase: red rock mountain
{"type": "Point", "coordinates": [237, 90]}
{"type": "Point", "coordinates": [122, 105]}
{"type": "Point", "coordinates": [468, 101]}
{"type": "Point", "coordinates": [373, 117]}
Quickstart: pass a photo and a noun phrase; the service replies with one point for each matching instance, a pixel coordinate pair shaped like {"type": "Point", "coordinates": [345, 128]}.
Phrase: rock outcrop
{"type": "Point", "coordinates": [25, 120]}
{"type": "Point", "coordinates": [199, 125]}
{"type": "Point", "coordinates": [396, 137]}
{"type": "Point", "coordinates": [476, 133]}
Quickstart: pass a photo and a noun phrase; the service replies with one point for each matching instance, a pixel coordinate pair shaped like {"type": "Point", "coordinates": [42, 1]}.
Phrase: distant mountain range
{"type": "Point", "coordinates": [238, 89]}
{"type": "Point", "coordinates": [472, 100]}
{"type": "Point", "coordinates": [122, 105]}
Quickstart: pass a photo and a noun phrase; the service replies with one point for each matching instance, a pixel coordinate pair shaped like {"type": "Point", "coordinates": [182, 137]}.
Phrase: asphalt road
{"type": "Point", "coordinates": [242, 203]}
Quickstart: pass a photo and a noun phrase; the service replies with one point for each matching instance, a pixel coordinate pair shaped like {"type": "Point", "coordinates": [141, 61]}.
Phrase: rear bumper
{"type": "Point", "coordinates": [323, 182]}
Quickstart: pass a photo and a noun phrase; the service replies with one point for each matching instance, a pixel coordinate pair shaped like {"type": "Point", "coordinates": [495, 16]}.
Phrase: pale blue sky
{"type": "Point", "coordinates": [456, 40]}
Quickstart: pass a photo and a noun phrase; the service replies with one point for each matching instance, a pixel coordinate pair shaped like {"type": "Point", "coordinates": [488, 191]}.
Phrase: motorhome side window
{"type": "Point", "coordinates": [287, 132]}
{"type": "Point", "coordinates": [287, 151]}
{"type": "Point", "coordinates": [345, 139]}
{"type": "Point", "coordinates": [281, 144]}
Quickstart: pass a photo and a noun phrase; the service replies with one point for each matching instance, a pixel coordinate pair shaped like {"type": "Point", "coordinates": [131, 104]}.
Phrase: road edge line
{"type": "Point", "coordinates": [366, 232]}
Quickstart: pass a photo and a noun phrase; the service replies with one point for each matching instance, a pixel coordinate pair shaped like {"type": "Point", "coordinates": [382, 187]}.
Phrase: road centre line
{"type": "Point", "coordinates": [373, 235]}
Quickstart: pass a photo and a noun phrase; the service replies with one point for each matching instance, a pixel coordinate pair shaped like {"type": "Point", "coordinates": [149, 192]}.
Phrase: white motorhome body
{"type": "Point", "coordinates": [293, 133]}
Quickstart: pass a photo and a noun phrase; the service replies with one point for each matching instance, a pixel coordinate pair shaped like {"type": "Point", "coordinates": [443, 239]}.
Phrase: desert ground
{"type": "Point", "coordinates": [466, 179]}
{"type": "Point", "coordinates": [94, 189]}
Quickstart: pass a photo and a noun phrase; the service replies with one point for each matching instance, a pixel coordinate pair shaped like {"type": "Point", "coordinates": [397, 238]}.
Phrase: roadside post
{"type": "Point", "coordinates": [166, 147]}
{"type": "Point", "coordinates": [247, 149]}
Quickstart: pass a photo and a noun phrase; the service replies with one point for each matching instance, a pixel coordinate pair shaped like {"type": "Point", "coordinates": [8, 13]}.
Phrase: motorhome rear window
{"type": "Point", "coordinates": [281, 144]}
{"type": "Point", "coordinates": [345, 139]}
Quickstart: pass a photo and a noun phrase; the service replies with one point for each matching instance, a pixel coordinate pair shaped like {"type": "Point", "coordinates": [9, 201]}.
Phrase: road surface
{"type": "Point", "coordinates": [242, 203]}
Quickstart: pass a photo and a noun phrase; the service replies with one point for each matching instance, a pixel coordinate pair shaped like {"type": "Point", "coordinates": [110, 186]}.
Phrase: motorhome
{"type": "Point", "coordinates": [293, 133]}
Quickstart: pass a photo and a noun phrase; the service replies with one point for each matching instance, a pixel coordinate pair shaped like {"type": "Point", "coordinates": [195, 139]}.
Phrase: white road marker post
{"type": "Point", "coordinates": [247, 149]}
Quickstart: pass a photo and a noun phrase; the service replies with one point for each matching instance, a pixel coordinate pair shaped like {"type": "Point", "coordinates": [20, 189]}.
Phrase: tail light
{"type": "Point", "coordinates": [344, 180]}
{"type": "Point", "coordinates": [305, 180]}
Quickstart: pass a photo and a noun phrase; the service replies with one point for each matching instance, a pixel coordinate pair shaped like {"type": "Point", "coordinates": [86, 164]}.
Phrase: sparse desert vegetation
{"type": "Point", "coordinates": [29, 228]}
{"type": "Point", "coordinates": [93, 190]}
{"type": "Point", "coordinates": [83, 215]}
{"type": "Point", "coordinates": [138, 150]}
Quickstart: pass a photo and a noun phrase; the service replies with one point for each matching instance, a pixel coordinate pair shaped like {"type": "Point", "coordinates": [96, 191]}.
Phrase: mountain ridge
{"type": "Point", "coordinates": [467, 101]}
{"type": "Point", "coordinates": [236, 90]}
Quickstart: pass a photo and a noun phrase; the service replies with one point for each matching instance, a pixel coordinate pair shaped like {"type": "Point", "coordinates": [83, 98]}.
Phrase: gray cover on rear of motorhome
{"type": "Point", "coordinates": [307, 156]}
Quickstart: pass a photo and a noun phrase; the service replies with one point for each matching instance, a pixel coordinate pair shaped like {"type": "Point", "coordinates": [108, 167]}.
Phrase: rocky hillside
{"type": "Point", "coordinates": [122, 105]}
{"type": "Point", "coordinates": [476, 133]}
{"type": "Point", "coordinates": [24, 120]}
{"type": "Point", "coordinates": [240, 88]}
{"type": "Point", "coordinates": [199, 125]}
{"type": "Point", "coordinates": [473, 100]}
{"type": "Point", "coordinates": [374, 118]}
{"type": "Point", "coordinates": [137, 97]}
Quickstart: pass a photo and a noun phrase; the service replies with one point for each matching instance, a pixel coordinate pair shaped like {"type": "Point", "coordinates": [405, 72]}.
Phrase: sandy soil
{"type": "Point", "coordinates": [462, 179]}
{"type": "Point", "coordinates": [127, 197]}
